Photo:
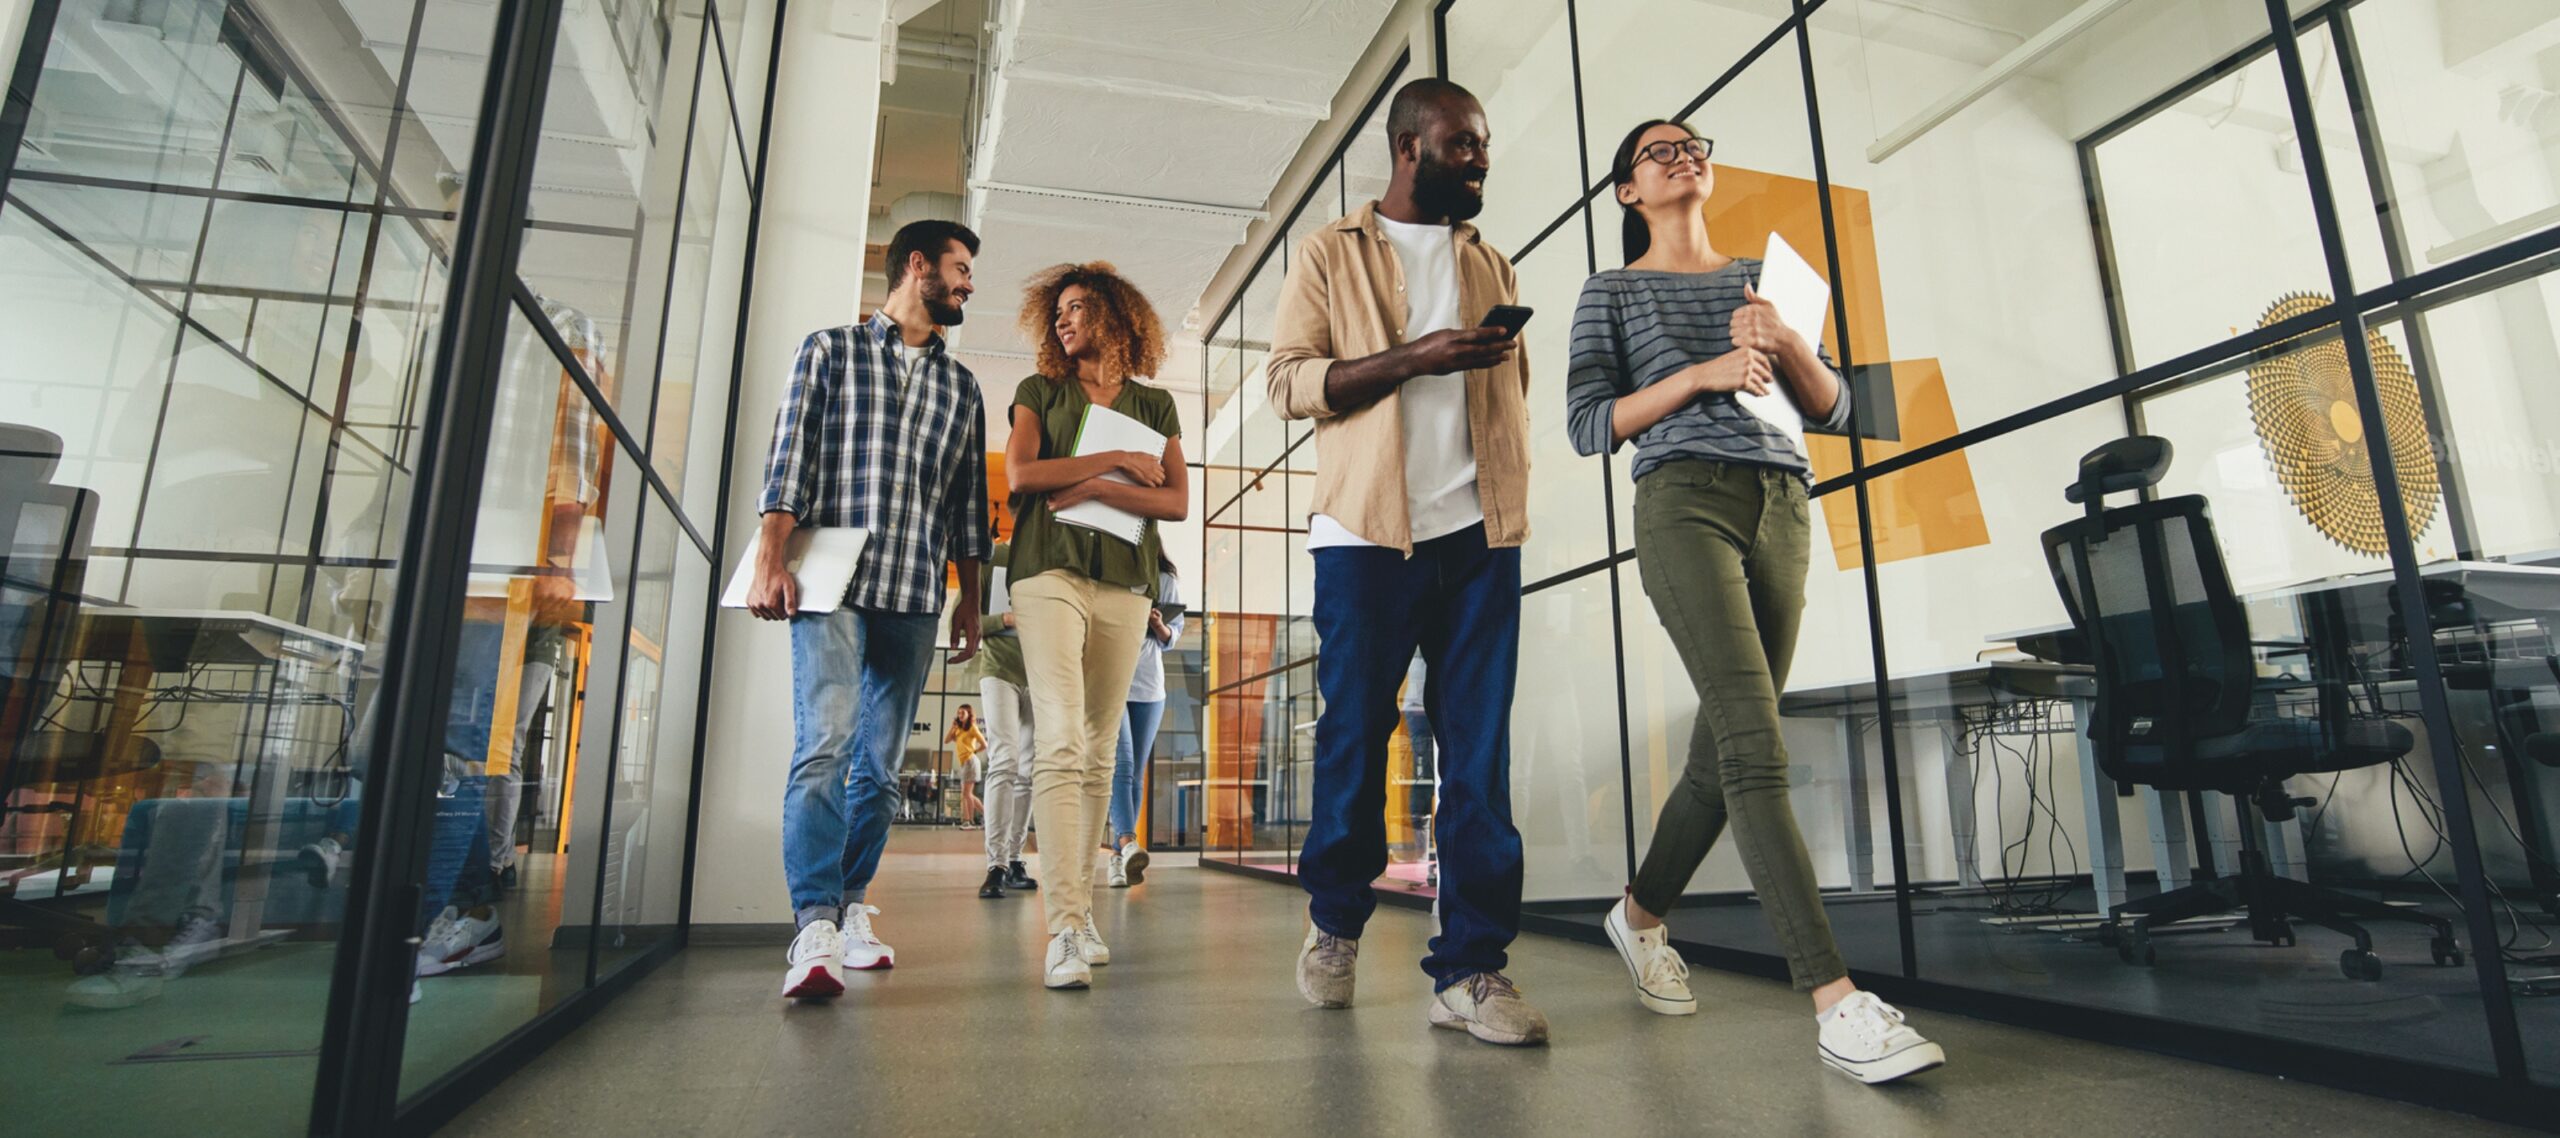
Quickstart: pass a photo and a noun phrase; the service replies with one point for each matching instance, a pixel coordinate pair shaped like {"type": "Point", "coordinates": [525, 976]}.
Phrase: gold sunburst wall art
{"type": "Point", "coordinates": [2303, 404]}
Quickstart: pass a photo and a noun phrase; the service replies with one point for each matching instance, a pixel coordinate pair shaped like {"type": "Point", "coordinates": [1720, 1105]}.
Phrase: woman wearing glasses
{"type": "Point", "coordinates": [1678, 354]}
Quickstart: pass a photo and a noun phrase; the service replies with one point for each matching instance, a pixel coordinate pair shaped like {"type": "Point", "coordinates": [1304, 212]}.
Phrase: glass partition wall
{"type": "Point", "coordinates": [336, 403]}
{"type": "Point", "coordinates": [2309, 245]}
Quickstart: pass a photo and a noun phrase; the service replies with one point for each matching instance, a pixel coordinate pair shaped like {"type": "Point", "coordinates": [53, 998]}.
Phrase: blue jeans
{"type": "Point", "coordinates": [856, 675]}
{"type": "Point", "coordinates": [1137, 741]}
{"type": "Point", "coordinates": [458, 872]}
{"type": "Point", "coordinates": [1458, 601]}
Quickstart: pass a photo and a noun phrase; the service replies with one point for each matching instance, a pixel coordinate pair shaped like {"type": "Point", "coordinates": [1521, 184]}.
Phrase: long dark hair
{"type": "Point", "coordinates": [1634, 236]}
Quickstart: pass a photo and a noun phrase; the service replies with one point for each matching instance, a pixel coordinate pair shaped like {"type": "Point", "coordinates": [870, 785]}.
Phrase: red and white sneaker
{"type": "Point", "coordinates": [863, 951]}
{"type": "Point", "coordinates": [459, 940]}
{"type": "Point", "coordinates": [817, 963]}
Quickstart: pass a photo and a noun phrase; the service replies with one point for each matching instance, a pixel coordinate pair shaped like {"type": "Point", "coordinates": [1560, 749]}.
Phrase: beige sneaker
{"type": "Point", "coordinates": [1325, 968]}
{"type": "Point", "coordinates": [1488, 1006]}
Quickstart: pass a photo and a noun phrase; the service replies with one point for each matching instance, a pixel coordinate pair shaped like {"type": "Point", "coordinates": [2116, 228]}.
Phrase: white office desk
{"type": "Point", "coordinates": [1939, 697]}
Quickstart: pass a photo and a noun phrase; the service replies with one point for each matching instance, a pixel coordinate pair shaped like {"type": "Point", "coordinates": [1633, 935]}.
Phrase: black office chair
{"type": "Point", "coordinates": [44, 551]}
{"type": "Point", "coordinates": [2179, 706]}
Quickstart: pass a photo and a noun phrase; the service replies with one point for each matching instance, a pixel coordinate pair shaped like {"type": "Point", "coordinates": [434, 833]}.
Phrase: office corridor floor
{"type": "Point", "coordinates": [1196, 1028]}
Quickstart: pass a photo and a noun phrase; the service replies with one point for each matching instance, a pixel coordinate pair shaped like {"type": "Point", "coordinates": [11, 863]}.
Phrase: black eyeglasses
{"type": "Point", "coordinates": [1670, 152]}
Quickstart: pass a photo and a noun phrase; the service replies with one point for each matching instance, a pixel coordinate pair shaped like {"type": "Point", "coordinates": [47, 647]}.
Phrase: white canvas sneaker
{"type": "Point", "coordinates": [1662, 978]}
{"type": "Point", "coordinates": [1116, 872]}
{"type": "Point", "coordinates": [1133, 861]}
{"type": "Point", "coordinates": [1864, 1038]}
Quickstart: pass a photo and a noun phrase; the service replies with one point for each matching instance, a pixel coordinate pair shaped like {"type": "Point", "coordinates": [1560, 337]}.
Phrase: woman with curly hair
{"type": "Point", "coordinates": [1080, 596]}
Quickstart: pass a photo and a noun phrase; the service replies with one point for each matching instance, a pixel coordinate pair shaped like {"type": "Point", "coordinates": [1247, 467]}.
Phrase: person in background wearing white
{"type": "Point", "coordinates": [1006, 690]}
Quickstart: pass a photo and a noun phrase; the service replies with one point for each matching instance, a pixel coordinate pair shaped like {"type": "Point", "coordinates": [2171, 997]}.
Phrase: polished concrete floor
{"type": "Point", "coordinates": [1196, 1028]}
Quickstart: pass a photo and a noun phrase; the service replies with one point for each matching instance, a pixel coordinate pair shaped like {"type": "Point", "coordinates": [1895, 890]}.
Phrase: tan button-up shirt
{"type": "Point", "coordinates": [1344, 299]}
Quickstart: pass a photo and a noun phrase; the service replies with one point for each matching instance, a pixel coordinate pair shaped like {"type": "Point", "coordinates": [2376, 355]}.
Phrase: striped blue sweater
{"type": "Point", "coordinates": [1635, 327]}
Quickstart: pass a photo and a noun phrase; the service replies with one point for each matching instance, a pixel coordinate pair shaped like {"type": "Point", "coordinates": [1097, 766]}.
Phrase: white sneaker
{"type": "Point", "coordinates": [1089, 942]}
{"type": "Point", "coordinates": [1118, 872]}
{"type": "Point", "coordinates": [120, 987]}
{"type": "Point", "coordinates": [863, 951]}
{"type": "Point", "coordinates": [467, 940]}
{"type": "Point", "coordinates": [1133, 860]}
{"type": "Point", "coordinates": [438, 931]}
{"type": "Point", "coordinates": [1864, 1038]}
{"type": "Point", "coordinates": [197, 940]}
{"type": "Point", "coordinates": [1067, 968]}
{"type": "Point", "coordinates": [1662, 978]}
{"type": "Point", "coordinates": [320, 861]}
{"type": "Point", "coordinates": [817, 956]}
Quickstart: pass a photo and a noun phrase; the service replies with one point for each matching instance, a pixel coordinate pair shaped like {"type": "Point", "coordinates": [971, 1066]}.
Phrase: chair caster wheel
{"type": "Point", "coordinates": [2357, 964]}
{"type": "Point", "coordinates": [92, 960]}
{"type": "Point", "coordinates": [2447, 952]}
{"type": "Point", "coordinates": [2134, 947]}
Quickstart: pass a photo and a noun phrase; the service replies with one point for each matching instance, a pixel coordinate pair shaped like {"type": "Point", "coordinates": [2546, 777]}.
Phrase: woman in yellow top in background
{"type": "Point", "coordinates": [967, 741]}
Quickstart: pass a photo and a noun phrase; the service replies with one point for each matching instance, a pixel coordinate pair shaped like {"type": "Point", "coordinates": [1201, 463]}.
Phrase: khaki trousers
{"type": "Point", "coordinates": [1080, 644]}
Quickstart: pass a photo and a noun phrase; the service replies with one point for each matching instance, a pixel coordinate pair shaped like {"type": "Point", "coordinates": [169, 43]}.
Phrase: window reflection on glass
{"type": "Point", "coordinates": [220, 313]}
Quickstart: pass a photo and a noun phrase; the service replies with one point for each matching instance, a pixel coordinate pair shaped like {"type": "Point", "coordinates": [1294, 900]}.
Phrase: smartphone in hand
{"type": "Point", "coordinates": [1508, 317]}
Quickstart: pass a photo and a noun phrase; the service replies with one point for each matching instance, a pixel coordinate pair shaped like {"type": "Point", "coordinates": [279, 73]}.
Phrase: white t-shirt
{"type": "Point", "coordinates": [1439, 448]}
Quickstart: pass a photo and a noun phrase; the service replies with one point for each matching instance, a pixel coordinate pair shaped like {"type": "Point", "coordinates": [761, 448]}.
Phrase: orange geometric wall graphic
{"type": "Point", "coordinates": [1930, 508]}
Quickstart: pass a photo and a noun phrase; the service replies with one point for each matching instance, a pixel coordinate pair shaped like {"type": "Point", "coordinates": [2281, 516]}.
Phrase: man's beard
{"type": "Point", "coordinates": [936, 294]}
{"type": "Point", "coordinates": [1441, 191]}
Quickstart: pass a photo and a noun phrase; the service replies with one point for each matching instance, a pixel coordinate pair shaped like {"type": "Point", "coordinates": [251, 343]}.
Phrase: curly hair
{"type": "Point", "coordinates": [1125, 329]}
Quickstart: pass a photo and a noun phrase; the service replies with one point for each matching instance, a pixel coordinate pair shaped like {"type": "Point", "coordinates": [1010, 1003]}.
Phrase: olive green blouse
{"type": "Point", "coordinates": [1042, 543]}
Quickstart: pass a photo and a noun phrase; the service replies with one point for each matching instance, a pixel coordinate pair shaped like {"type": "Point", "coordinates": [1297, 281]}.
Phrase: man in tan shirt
{"type": "Point", "coordinates": [1420, 508]}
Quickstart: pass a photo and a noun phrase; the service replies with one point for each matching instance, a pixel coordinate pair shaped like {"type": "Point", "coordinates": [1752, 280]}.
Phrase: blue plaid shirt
{"type": "Point", "coordinates": [865, 440]}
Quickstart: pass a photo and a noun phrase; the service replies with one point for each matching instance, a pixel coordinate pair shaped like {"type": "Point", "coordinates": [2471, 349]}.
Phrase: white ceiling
{"type": "Point", "coordinates": [1147, 134]}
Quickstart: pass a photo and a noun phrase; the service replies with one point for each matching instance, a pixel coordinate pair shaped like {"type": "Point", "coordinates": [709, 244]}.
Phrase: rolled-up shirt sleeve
{"type": "Point", "coordinates": [1302, 351]}
{"type": "Point", "coordinates": [1595, 374]}
{"type": "Point", "coordinates": [1837, 422]}
{"type": "Point", "coordinates": [791, 466]}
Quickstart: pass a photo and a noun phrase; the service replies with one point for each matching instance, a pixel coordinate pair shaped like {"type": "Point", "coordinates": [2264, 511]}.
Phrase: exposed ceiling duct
{"type": "Point", "coordinates": [1144, 134]}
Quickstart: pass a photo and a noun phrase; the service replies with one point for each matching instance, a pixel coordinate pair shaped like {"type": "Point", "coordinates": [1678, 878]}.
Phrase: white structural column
{"type": "Point", "coordinates": [808, 275]}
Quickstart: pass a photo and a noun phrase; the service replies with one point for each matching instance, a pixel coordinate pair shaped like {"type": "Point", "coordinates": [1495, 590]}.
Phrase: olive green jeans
{"type": "Point", "coordinates": [1722, 548]}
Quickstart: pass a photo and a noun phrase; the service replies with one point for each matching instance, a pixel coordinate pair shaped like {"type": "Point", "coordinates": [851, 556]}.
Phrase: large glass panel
{"type": "Point", "coordinates": [1568, 528]}
{"type": "Point", "coordinates": [2492, 608]}
{"type": "Point", "coordinates": [1517, 57]}
{"type": "Point", "coordinates": [1973, 285]}
{"type": "Point", "coordinates": [1568, 793]}
{"type": "Point", "coordinates": [1647, 61]}
{"type": "Point", "coordinates": [529, 749]}
{"type": "Point", "coordinates": [651, 790]}
{"type": "Point", "coordinates": [2308, 779]}
{"type": "Point", "coordinates": [606, 177]}
{"type": "Point", "coordinates": [702, 324]}
{"type": "Point", "coordinates": [218, 314]}
{"type": "Point", "coordinates": [2456, 95]}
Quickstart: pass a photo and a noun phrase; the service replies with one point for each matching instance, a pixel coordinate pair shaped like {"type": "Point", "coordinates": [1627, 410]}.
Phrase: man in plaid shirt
{"type": "Point", "coordinates": [880, 430]}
